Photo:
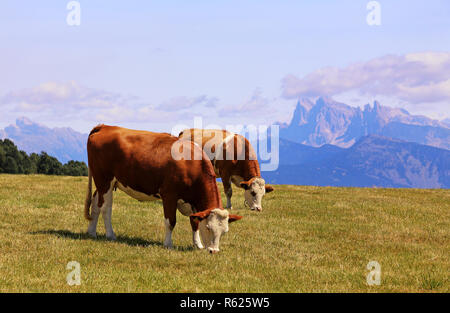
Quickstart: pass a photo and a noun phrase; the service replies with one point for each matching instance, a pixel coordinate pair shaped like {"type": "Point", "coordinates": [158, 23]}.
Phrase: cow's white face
{"type": "Point", "coordinates": [213, 225]}
{"type": "Point", "coordinates": [255, 189]}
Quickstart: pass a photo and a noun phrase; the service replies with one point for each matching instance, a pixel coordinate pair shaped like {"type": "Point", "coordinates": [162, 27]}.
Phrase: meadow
{"type": "Point", "coordinates": [307, 239]}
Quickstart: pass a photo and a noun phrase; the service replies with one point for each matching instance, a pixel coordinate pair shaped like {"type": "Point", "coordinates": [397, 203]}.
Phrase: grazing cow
{"type": "Point", "coordinates": [234, 160]}
{"type": "Point", "coordinates": [141, 164]}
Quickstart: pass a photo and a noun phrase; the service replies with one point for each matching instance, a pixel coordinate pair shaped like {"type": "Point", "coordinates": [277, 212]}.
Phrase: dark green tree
{"type": "Point", "coordinates": [2, 157]}
{"type": "Point", "coordinates": [15, 161]}
{"type": "Point", "coordinates": [75, 168]}
{"type": "Point", "coordinates": [49, 165]}
{"type": "Point", "coordinates": [10, 166]}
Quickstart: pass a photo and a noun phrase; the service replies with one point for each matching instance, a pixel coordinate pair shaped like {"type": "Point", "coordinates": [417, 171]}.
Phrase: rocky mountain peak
{"type": "Point", "coordinates": [63, 143]}
{"type": "Point", "coordinates": [24, 122]}
{"type": "Point", "coordinates": [302, 108]}
{"type": "Point", "coordinates": [327, 121]}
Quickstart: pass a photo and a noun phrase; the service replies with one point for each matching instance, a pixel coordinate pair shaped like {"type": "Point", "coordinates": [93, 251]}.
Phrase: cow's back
{"type": "Point", "coordinates": [140, 160]}
{"type": "Point", "coordinates": [240, 160]}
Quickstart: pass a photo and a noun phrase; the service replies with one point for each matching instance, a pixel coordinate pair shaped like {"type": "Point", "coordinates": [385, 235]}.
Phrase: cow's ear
{"type": "Point", "coordinates": [233, 218]}
{"type": "Point", "coordinates": [269, 188]}
{"type": "Point", "coordinates": [245, 184]}
{"type": "Point", "coordinates": [200, 215]}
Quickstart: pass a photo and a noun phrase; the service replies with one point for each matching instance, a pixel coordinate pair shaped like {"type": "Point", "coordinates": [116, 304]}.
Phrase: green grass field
{"type": "Point", "coordinates": [307, 239]}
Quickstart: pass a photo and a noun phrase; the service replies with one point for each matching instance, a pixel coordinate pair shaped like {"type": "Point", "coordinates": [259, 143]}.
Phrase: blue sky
{"type": "Point", "coordinates": [152, 64]}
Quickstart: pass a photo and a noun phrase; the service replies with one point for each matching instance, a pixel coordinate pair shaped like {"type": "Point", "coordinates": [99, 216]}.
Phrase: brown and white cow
{"type": "Point", "coordinates": [141, 164]}
{"type": "Point", "coordinates": [234, 160]}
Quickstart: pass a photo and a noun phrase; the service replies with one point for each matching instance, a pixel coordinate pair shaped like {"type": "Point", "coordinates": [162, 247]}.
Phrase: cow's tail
{"type": "Point", "coordinates": [88, 201]}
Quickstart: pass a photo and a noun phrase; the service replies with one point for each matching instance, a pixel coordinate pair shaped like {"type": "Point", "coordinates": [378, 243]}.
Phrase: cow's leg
{"type": "Point", "coordinates": [106, 213]}
{"type": "Point", "coordinates": [95, 212]}
{"type": "Point", "coordinates": [196, 234]}
{"type": "Point", "coordinates": [170, 219]}
{"type": "Point", "coordinates": [228, 191]}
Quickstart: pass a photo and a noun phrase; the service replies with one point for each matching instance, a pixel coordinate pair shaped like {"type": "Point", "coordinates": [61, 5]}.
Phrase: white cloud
{"type": "Point", "coordinates": [135, 114]}
{"type": "Point", "coordinates": [181, 103]}
{"type": "Point", "coordinates": [415, 78]}
{"type": "Point", "coordinates": [67, 95]}
{"type": "Point", "coordinates": [74, 102]}
{"type": "Point", "coordinates": [254, 105]}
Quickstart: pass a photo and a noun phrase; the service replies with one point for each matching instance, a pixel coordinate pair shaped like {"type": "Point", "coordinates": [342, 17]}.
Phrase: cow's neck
{"type": "Point", "coordinates": [209, 196]}
{"type": "Point", "coordinates": [251, 170]}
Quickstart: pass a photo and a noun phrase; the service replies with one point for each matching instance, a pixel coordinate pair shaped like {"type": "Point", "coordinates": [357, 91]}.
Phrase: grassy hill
{"type": "Point", "coordinates": [307, 239]}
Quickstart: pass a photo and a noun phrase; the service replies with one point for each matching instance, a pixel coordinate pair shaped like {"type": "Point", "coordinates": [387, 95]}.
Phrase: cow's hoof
{"type": "Point", "coordinates": [92, 235]}
{"type": "Point", "coordinates": [229, 208]}
{"type": "Point", "coordinates": [199, 246]}
{"type": "Point", "coordinates": [111, 237]}
{"type": "Point", "coordinates": [168, 244]}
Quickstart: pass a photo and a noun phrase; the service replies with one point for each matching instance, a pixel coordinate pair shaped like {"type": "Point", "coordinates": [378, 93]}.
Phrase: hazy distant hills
{"type": "Point", "coordinates": [327, 143]}
{"type": "Point", "coordinates": [372, 161]}
{"type": "Point", "coordinates": [63, 143]}
{"type": "Point", "coordinates": [295, 153]}
{"type": "Point", "coordinates": [446, 122]}
{"type": "Point", "coordinates": [326, 121]}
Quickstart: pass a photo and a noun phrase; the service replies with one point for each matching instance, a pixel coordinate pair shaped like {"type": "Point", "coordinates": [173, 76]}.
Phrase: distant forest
{"type": "Point", "coordinates": [15, 161]}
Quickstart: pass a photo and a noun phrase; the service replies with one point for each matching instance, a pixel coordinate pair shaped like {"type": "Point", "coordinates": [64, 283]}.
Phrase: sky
{"type": "Point", "coordinates": [154, 64]}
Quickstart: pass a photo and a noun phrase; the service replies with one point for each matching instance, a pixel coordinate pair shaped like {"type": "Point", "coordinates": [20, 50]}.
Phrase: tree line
{"type": "Point", "coordinates": [15, 161]}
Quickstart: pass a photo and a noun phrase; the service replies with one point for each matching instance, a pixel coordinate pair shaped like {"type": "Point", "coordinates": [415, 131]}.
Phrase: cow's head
{"type": "Point", "coordinates": [255, 189]}
{"type": "Point", "coordinates": [212, 225]}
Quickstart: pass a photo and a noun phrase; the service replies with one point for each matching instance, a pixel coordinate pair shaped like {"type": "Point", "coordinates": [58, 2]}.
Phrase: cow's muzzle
{"type": "Point", "coordinates": [257, 208]}
{"type": "Point", "coordinates": [213, 251]}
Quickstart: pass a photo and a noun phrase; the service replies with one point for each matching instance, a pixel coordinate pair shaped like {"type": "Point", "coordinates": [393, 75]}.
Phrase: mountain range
{"type": "Point", "coordinates": [63, 143]}
{"type": "Point", "coordinates": [326, 121]}
{"type": "Point", "coordinates": [327, 143]}
{"type": "Point", "coordinates": [372, 161]}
